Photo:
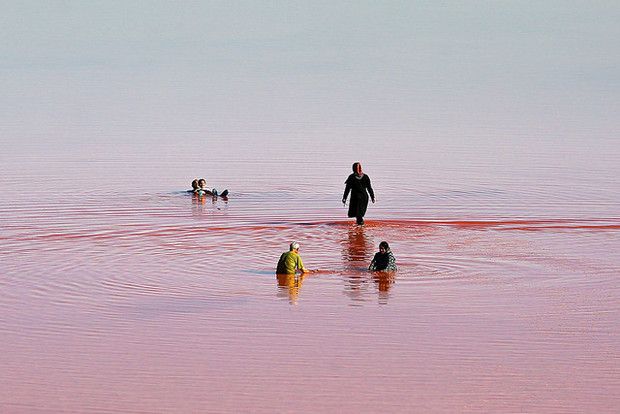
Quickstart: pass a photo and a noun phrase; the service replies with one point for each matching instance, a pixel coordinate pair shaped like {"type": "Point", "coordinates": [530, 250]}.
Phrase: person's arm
{"type": "Point", "coordinates": [391, 262]}
{"type": "Point", "coordinates": [300, 265]}
{"type": "Point", "coordinates": [370, 190]}
{"type": "Point", "coordinates": [347, 188]}
{"type": "Point", "coordinates": [373, 263]}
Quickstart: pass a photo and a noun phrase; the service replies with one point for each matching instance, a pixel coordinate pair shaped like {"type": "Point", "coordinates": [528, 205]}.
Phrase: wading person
{"type": "Point", "coordinates": [384, 259]}
{"type": "Point", "coordinates": [358, 184]}
{"type": "Point", "coordinates": [291, 261]}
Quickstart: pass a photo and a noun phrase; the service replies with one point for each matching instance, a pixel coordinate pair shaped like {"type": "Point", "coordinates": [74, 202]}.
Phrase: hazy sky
{"type": "Point", "coordinates": [321, 61]}
{"type": "Point", "coordinates": [577, 39]}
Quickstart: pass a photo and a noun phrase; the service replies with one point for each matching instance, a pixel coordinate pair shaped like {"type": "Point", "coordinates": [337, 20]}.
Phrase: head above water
{"type": "Point", "coordinates": [384, 246]}
{"type": "Point", "coordinates": [202, 183]}
{"type": "Point", "coordinates": [357, 168]}
{"type": "Point", "coordinates": [294, 246]}
{"type": "Point", "coordinates": [195, 184]}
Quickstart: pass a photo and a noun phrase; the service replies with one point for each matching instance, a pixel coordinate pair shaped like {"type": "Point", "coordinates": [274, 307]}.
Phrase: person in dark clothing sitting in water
{"type": "Point", "coordinates": [384, 259]}
{"type": "Point", "coordinates": [358, 184]}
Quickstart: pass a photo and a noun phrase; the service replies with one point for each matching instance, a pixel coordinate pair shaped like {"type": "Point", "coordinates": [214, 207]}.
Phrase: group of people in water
{"type": "Point", "coordinates": [359, 187]}
{"type": "Point", "coordinates": [199, 187]}
{"type": "Point", "coordinates": [290, 262]}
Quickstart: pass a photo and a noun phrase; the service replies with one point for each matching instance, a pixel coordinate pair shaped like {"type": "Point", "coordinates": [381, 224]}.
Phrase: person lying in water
{"type": "Point", "coordinates": [291, 261]}
{"type": "Point", "coordinates": [202, 188]}
{"type": "Point", "coordinates": [384, 259]}
{"type": "Point", "coordinates": [199, 186]}
{"type": "Point", "coordinates": [194, 186]}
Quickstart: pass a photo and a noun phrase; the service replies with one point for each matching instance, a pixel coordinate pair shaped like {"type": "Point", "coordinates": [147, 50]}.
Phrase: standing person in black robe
{"type": "Point", "coordinates": [358, 184]}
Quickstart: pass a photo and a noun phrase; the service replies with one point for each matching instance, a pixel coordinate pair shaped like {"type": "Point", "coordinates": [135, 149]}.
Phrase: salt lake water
{"type": "Point", "coordinates": [497, 188]}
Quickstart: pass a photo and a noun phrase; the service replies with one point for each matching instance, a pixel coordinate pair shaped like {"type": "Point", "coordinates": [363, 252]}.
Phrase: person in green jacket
{"type": "Point", "coordinates": [291, 261]}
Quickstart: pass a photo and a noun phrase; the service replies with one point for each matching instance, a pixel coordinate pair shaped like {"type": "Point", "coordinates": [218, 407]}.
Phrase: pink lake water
{"type": "Point", "coordinates": [490, 131]}
{"type": "Point", "coordinates": [121, 293]}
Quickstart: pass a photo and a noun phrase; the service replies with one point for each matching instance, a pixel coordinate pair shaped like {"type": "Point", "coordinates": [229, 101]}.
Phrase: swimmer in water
{"type": "Point", "coordinates": [384, 259]}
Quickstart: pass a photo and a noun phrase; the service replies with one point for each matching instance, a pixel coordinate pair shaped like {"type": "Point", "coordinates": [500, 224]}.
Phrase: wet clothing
{"type": "Point", "coordinates": [289, 261]}
{"type": "Point", "coordinates": [360, 188]}
{"type": "Point", "coordinates": [200, 192]}
{"type": "Point", "coordinates": [383, 261]}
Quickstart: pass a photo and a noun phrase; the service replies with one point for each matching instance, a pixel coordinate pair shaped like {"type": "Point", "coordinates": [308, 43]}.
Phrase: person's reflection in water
{"type": "Point", "coordinates": [199, 203]}
{"type": "Point", "coordinates": [355, 254]}
{"type": "Point", "coordinates": [289, 284]}
{"type": "Point", "coordinates": [384, 281]}
{"type": "Point", "coordinates": [356, 250]}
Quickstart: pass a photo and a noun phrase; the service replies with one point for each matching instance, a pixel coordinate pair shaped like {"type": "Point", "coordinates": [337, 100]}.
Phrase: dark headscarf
{"type": "Point", "coordinates": [357, 169]}
{"type": "Point", "coordinates": [381, 261]}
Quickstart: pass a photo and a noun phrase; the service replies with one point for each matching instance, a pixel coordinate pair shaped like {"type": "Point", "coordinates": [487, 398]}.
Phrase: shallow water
{"type": "Point", "coordinates": [124, 297]}
{"type": "Point", "coordinates": [489, 130]}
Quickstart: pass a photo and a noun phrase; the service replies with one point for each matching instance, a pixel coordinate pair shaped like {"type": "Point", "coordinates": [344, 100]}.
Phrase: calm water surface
{"type": "Point", "coordinates": [121, 293]}
{"type": "Point", "coordinates": [489, 130]}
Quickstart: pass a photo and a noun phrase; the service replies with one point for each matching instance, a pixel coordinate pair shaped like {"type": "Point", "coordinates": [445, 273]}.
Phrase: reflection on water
{"type": "Point", "coordinates": [200, 202]}
{"type": "Point", "coordinates": [356, 254]}
{"type": "Point", "coordinates": [492, 143]}
{"type": "Point", "coordinates": [125, 302]}
{"type": "Point", "coordinates": [357, 248]}
{"type": "Point", "coordinates": [383, 282]}
{"type": "Point", "coordinates": [289, 285]}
